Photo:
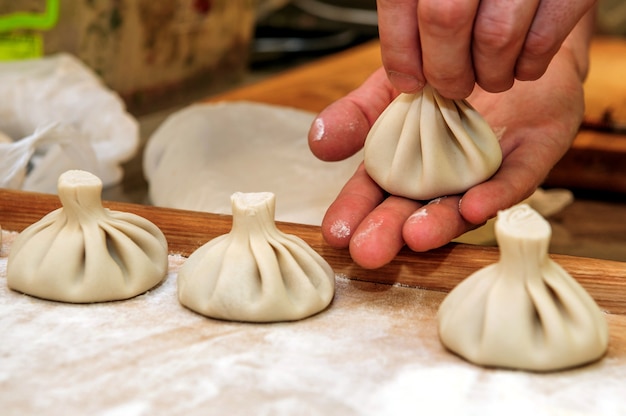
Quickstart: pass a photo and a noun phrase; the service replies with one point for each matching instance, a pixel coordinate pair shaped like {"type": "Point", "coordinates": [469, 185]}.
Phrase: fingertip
{"type": "Point", "coordinates": [316, 137]}
{"type": "Point", "coordinates": [496, 85]}
{"type": "Point", "coordinates": [535, 57]}
{"type": "Point", "coordinates": [338, 132]}
{"type": "Point", "coordinates": [474, 212]}
{"type": "Point", "coordinates": [371, 247]}
{"type": "Point", "coordinates": [459, 88]}
{"type": "Point", "coordinates": [483, 202]}
{"type": "Point", "coordinates": [336, 231]}
{"type": "Point", "coordinates": [434, 225]}
{"type": "Point", "coordinates": [378, 238]}
{"type": "Point", "coordinates": [414, 229]}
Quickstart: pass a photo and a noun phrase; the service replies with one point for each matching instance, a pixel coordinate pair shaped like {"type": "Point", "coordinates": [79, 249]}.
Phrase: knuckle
{"type": "Point", "coordinates": [496, 85]}
{"type": "Point", "coordinates": [495, 34]}
{"type": "Point", "coordinates": [540, 44]}
{"type": "Point", "coordinates": [446, 13]}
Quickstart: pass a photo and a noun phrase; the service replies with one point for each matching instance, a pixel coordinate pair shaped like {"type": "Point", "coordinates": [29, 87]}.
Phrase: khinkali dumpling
{"type": "Point", "coordinates": [425, 146]}
{"type": "Point", "coordinates": [525, 311]}
{"type": "Point", "coordinates": [83, 252]}
{"type": "Point", "coordinates": [256, 273]}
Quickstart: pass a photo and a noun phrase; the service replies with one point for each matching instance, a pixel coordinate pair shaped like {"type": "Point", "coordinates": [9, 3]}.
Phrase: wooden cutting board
{"type": "Point", "coordinates": [375, 350]}
{"type": "Point", "coordinates": [438, 270]}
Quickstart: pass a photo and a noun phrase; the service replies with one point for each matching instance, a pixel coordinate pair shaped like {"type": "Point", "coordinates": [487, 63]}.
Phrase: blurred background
{"type": "Point", "coordinates": [157, 54]}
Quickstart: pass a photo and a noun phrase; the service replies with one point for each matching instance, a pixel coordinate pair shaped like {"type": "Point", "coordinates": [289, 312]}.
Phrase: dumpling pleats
{"type": "Point", "coordinates": [425, 146]}
{"type": "Point", "coordinates": [255, 273]}
{"type": "Point", "coordinates": [525, 311]}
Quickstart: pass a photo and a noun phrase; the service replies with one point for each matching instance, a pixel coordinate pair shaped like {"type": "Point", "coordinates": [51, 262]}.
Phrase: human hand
{"type": "Point", "coordinates": [536, 121]}
{"type": "Point", "coordinates": [454, 45]}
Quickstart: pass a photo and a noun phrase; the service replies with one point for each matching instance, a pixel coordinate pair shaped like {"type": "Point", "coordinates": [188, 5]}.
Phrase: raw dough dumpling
{"type": "Point", "coordinates": [424, 146]}
{"type": "Point", "coordinates": [525, 311]}
{"type": "Point", "coordinates": [256, 273]}
{"type": "Point", "coordinates": [83, 252]}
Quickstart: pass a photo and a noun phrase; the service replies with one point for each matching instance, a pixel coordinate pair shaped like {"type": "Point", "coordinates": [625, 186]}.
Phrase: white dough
{"type": "Point", "coordinates": [204, 153]}
{"type": "Point", "coordinates": [83, 252]}
{"type": "Point", "coordinates": [256, 273]}
{"type": "Point", "coordinates": [525, 311]}
{"type": "Point", "coordinates": [425, 146]}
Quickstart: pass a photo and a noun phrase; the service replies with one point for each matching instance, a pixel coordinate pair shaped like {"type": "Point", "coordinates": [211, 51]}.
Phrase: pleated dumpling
{"type": "Point", "coordinates": [425, 146]}
{"type": "Point", "coordinates": [525, 311]}
{"type": "Point", "coordinates": [256, 273]}
{"type": "Point", "coordinates": [84, 252]}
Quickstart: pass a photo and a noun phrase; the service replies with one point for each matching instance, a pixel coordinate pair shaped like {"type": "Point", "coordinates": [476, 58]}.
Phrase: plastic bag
{"type": "Point", "coordinates": [59, 116]}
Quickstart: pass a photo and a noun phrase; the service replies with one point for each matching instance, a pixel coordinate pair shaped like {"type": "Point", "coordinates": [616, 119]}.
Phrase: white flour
{"type": "Point", "coordinates": [375, 351]}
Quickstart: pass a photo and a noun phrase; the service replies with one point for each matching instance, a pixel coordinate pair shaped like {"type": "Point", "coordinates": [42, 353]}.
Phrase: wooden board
{"type": "Point", "coordinates": [439, 269]}
{"type": "Point", "coordinates": [375, 350]}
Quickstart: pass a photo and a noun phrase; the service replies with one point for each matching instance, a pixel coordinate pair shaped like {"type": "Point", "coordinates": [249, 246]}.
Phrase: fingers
{"type": "Point", "coordinates": [378, 239]}
{"type": "Point", "coordinates": [435, 224]}
{"type": "Point", "coordinates": [359, 196]}
{"type": "Point", "coordinates": [340, 130]}
{"type": "Point", "coordinates": [498, 37]}
{"type": "Point", "coordinates": [554, 20]}
{"type": "Point", "coordinates": [398, 221]}
{"type": "Point", "coordinates": [363, 220]}
{"type": "Point", "coordinates": [453, 44]}
{"type": "Point", "coordinates": [445, 30]}
{"type": "Point", "coordinates": [399, 41]}
{"type": "Point", "coordinates": [518, 177]}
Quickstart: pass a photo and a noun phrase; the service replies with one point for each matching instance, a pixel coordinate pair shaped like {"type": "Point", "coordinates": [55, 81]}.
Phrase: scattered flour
{"type": "Point", "coordinates": [319, 129]}
{"type": "Point", "coordinates": [371, 226]}
{"type": "Point", "coordinates": [340, 229]}
{"type": "Point", "coordinates": [375, 351]}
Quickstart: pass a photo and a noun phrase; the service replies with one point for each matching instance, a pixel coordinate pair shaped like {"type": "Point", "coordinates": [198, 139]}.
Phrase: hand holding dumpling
{"type": "Point", "coordinates": [536, 122]}
{"type": "Point", "coordinates": [425, 146]}
{"type": "Point", "coordinates": [453, 44]}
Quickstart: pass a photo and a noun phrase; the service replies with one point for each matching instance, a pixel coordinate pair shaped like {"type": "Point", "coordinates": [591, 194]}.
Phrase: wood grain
{"type": "Point", "coordinates": [438, 270]}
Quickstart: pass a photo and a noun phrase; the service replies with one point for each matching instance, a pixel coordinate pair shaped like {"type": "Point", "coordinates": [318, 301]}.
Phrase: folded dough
{"type": "Point", "coordinates": [256, 273]}
{"type": "Point", "coordinates": [83, 252]}
{"type": "Point", "coordinates": [524, 311]}
{"type": "Point", "coordinates": [425, 146]}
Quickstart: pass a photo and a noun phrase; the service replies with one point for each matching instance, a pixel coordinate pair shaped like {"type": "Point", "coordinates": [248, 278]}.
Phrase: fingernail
{"type": "Point", "coordinates": [405, 82]}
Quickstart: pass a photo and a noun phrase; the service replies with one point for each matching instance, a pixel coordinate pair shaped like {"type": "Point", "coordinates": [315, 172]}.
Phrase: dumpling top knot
{"type": "Point", "coordinates": [525, 311]}
{"type": "Point", "coordinates": [425, 146]}
{"type": "Point", "coordinates": [256, 273]}
{"type": "Point", "coordinates": [84, 252]}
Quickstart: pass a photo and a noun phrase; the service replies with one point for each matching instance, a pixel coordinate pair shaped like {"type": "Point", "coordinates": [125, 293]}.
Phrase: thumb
{"type": "Point", "coordinates": [339, 131]}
